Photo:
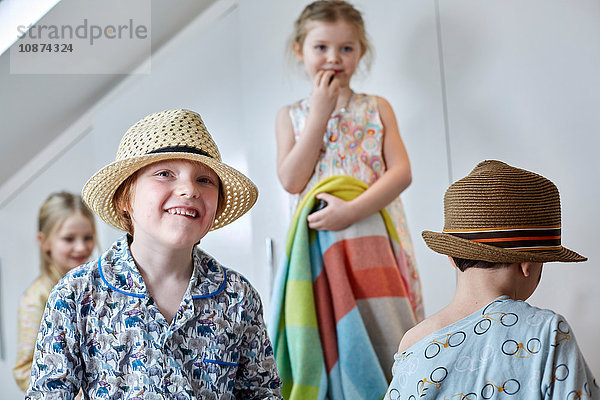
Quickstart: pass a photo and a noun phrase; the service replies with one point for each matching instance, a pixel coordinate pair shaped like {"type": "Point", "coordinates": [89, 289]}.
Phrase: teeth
{"type": "Point", "coordinates": [182, 211]}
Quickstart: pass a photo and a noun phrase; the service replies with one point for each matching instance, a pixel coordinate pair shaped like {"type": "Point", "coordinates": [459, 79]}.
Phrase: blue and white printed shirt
{"type": "Point", "coordinates": [507, 350]}
{"type": "Point", "coordinates": [102, 332]}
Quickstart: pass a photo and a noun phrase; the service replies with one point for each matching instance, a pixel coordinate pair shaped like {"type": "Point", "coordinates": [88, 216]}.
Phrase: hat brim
{"type": "Point", "coordinates": [239, 191]}
{"type": "Point", "coordinates": [450, 245]}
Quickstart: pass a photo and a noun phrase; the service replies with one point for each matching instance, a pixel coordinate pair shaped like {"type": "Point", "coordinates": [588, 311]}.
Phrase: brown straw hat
{"type": "Point", "coordinates": [170, 134]}
{"type": "Point", "coordinates": [499, 213]}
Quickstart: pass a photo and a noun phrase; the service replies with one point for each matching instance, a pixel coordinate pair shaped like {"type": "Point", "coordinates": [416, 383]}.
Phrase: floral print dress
{"type": "Point", "coordinates": [103, 333]}
{"type": "Point", "coordinates": [353, 146]}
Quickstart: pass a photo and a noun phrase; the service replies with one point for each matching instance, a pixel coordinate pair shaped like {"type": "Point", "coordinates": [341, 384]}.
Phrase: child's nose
{"type": "Point", "coordinates": [333, 56]}
{"type": "Point", "coordinates": [188, 188]}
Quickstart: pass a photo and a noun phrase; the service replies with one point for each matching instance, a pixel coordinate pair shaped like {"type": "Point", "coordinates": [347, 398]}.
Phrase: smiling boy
{"type": "Point", "coordinates": [155, 317]}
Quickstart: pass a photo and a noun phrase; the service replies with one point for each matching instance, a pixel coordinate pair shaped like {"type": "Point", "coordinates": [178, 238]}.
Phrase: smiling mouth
{"type": "Point", "coordinates": [187, 212]}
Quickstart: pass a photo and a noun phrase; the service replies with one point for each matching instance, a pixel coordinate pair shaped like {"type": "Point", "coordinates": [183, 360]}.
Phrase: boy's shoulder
{"type": "Point", "coordinates": [93, 274]}
{"type": "Point", "coordinates": [84, 272]}
{"type": "Point", "coordinates": [210, 265]}
{"type": "Point", "coordinates": [428, 326]}
{"type": "Point", "coordinates": [415, 334]}
{"type": "Point", "coordinates": [519, 315]}
{"type": "Point", "coordinates": [508, 312]}
{"type": "Point", "coordinates": [542, 320]}
{"type": "Point", "coordinates": [523, 309]}
{"type": "Point", "coordinates": [78, 283]}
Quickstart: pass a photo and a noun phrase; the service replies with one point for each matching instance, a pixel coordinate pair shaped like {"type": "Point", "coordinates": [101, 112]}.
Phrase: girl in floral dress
{"type": "Point", "coordinates": [345, 274]}
{"type": "Point", "coordinates": [339, 132]}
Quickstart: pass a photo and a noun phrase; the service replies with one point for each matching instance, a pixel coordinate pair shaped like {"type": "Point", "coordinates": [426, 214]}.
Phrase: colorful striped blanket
{"type": "Point", "coordinates": [340, 304]}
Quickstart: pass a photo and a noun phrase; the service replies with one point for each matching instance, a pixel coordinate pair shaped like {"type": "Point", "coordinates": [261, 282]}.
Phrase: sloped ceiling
{"type": "Point", "coordinates": [35, 109]}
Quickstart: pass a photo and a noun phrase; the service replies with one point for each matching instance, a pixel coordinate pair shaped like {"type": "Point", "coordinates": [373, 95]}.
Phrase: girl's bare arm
{"type": "Point", "coordinates": [296, 160]}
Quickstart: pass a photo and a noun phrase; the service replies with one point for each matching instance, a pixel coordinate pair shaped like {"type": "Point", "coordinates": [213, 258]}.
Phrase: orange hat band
{"type": "Point", "coordinates": [542, 238]}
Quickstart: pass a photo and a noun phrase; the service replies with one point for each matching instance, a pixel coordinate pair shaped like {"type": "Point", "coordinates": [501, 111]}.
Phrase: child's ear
{"type": "Point", "coordinates": [41, 238]}
{"type": "Point", "coordinates": [525, 268]}
{"type": "Point", "coordinates": [297, 49]}
{"type": "Point", "coordinates": [452, 262]}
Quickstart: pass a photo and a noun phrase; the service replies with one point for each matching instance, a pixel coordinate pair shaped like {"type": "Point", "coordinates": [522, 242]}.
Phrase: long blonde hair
{"type": "Point", "coordinates": [53, 213]}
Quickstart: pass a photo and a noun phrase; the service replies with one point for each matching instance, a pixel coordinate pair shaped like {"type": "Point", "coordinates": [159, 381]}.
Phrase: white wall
{"type": "Point", "coordinates": [521, 85]}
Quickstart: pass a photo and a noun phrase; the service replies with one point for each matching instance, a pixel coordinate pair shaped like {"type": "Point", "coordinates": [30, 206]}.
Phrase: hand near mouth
{"type": "Point", "coordinates": [336, 72]}
{"type": "Point", "coordinates": [325, 93]}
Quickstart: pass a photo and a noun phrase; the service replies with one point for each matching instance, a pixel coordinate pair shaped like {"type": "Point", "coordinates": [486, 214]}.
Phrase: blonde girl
{"type": "Point", "coordinates": [339, 132]}
{"type": "Point", "coordinates": [66, 237]}
{"type": "Point", "coordinates": [327, 144]}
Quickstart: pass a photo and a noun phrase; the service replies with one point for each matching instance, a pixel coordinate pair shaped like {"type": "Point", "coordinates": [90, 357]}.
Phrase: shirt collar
{"type": "Point", "coordinates": [119, 272]}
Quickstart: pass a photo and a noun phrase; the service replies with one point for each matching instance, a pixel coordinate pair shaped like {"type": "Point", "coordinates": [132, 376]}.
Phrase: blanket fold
{"type": "Point", "coordinates": [340, 304]}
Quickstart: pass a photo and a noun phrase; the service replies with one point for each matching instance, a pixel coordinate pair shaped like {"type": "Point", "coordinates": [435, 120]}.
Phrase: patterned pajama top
{"type": "Point", "coordinates": [102, 331]}
{"type": "Point", "coordinates": [507, 350]}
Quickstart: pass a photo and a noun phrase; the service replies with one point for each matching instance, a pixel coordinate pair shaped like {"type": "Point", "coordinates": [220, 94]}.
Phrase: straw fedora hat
{"type": "Point", "coordinates": [170, 134]}
{"type": "Point", "coordinates": [499, 213]}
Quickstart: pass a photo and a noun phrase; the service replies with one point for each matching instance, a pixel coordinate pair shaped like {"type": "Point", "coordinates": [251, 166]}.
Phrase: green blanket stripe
{"type": "Point", "coordinates": [293, 390]}
{"type": "Point", "coordinates": [300, 312]}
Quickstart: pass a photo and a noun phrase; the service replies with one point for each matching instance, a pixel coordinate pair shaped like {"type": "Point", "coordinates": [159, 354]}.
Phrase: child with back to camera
{"type": "Point", "coordinates": [66, 238]}
{"type": "Point", "coordinates": [343, 150]}
{"type": "Point", "coordinates": [501, 224]}
{"type": "Point", "coordinates": [155, 317]}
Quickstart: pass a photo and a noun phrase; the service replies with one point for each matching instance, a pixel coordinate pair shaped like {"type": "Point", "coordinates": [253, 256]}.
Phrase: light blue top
{"type": "Point", "coordinates": [507, 350]}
